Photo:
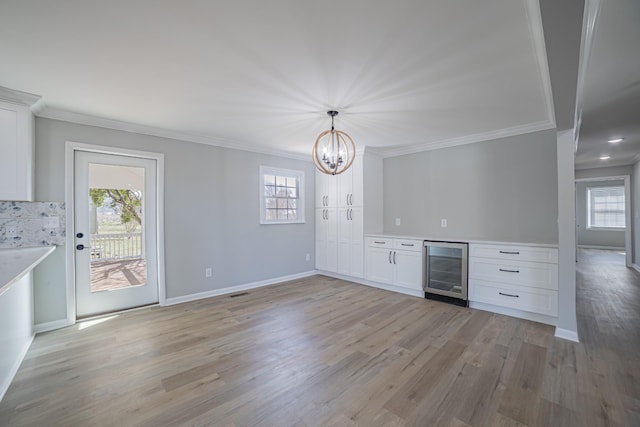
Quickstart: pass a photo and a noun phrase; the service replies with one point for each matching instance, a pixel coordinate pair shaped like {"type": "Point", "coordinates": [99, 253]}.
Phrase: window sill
{"type": "Point", "coordinates": [281, 222]}
{"type": "Point", "coordinates": [606, 228]}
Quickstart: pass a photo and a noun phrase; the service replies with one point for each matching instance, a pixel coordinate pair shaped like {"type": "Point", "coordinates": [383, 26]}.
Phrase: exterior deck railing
{"type": "Point", "coordinates": [112, 247]}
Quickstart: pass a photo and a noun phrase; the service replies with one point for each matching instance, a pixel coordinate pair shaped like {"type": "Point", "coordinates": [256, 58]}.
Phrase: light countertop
{"type": "Point", "coordinates": [458, 239]}
{"type": "Point", "coordinates": [15, 263]}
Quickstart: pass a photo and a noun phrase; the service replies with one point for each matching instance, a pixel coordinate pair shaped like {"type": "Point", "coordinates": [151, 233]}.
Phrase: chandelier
{"type": "Point", "coordinates": [334, 150]}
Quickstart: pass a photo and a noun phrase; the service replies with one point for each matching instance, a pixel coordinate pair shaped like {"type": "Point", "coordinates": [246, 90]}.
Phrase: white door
{"type": "Point", "coordinates": [115, 226]}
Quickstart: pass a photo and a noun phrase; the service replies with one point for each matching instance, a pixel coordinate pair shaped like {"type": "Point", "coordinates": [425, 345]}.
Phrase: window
{"type": "Point", "coordinates": [605, 207]}
{"type": "Point", "coordinates": [282, 198]}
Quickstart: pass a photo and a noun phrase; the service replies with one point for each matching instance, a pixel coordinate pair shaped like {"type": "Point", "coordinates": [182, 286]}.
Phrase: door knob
{"type": "Point", "coordinates": [80, 247]}
{"type": "Point", "coordinates": [79, 235]}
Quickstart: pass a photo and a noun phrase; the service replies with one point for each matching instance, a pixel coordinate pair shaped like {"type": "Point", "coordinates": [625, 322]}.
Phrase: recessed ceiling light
{"type": "Point", "coordinates": [613, 141]}
{"type": "Point", "coordinates": [605, 157]}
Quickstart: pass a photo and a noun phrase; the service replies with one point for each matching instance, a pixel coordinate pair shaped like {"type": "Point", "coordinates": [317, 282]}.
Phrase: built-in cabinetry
{"type": "Point", "coordinates": [341, 216]}
{"type": "Point", "coordinates": [16, 146]}
{"type": "Point", "coordinates": [396, 262]}
{"type": "Point", "coordinates": [521, 279]}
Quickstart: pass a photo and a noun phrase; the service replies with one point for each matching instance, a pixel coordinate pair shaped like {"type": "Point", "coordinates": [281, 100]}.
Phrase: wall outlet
{"type": "Point", "coordinates": [443, 223]}
{"type": "Point", "coordinates": [10, 231]}
{"type": "Point", "coordinates": [50, 222]}
{"type": "Point", "coordinates": [308, 257]}
{"type": "Point", "coordinates": [208, 272]}
{"type": "Point", "coordinates": [397, 221]}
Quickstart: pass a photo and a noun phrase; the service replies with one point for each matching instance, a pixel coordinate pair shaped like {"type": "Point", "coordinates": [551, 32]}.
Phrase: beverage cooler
{"type": "Point", "coordinates": [446, 271]}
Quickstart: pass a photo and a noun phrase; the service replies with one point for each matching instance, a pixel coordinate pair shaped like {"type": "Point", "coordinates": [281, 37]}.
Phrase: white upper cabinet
{"type": "Point", "coordinates": [16, 152]}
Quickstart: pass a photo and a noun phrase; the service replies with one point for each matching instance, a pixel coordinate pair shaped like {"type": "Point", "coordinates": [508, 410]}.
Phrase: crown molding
{"type": "Point", "coordinates": [539, 47]}
{"type": "Point", "coordinates": [469, 139]}
{"type": "Point", "coordinates": [89, 120]}
{"type": "Point", "coordinates": [34, 102]}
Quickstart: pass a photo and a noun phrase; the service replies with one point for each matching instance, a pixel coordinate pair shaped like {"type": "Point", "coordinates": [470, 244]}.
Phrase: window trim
{"type": "Point", "coordinates": [299, 175]}
{"type": "Point", "coordinates": [589, 212]}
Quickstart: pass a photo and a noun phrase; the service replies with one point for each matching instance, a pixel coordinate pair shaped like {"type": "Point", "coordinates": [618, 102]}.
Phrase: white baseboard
{"type": "Point", "coordinates": [234, 289]}
{"type": "Point", "coordinates": [606, 248]}
{"type": "Point", "coordinates": [6, 382]}
{"type": "Point", "coordinates": [566, 334]}
{"type": "Point", "coordinates": [636, 267]}
{"type": "Point", "coordinates": [50, 326]}
{"type": "Point", "coordinates": [540, 318]}
{"type": "Point", "coordinates": [386, 287]}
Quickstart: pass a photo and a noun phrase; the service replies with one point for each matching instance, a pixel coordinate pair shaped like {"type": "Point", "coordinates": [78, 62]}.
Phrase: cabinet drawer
{"type": "Point", "coordinates": [516, 253]}
{"type": "Point", "coordinates": [379, 242]}
{"type": "Point", "coordinates": [540, 301]}
{"type": "Point", "coordinates": [408, 245]}
{"type": "Point", "coordinates": [515, 273]}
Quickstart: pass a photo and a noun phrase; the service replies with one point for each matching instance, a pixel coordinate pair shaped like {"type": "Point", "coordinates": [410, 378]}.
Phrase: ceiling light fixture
{"type": "Point", "coordinates": [605, 157]}
{"type": "Point", "coordinates": [613, 141]}
{"type": "Point", "coordinates": [334, 150]}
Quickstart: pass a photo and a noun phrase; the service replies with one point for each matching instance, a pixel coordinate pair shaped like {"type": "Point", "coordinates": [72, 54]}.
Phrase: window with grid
{"type": "Point", "coordinates": [605, 207]}
{"type": "Point", "coordinates": [282, 200]}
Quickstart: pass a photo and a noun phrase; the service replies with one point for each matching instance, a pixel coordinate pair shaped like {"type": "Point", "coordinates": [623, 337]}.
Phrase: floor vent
{"type": "Point", "coordinates": [239, 295]}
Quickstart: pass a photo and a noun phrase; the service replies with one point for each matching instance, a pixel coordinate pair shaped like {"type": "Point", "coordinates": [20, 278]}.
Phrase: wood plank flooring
{"type": "Point", "coordinates": [324, 352]}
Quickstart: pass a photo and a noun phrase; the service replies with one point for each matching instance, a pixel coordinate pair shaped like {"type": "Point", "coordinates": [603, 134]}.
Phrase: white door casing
{"type": "Point", "coordinates": [90, 303]}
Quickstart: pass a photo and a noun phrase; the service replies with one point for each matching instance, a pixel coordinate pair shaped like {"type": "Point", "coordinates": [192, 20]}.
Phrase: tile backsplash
{"type": "Point", "coordinates": [28, 224]}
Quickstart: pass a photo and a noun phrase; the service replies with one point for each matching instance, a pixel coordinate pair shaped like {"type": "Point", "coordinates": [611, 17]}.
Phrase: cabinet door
{"type": "Point", "coordinates": [408, 269]}
{"type": "Point", "coordinates": [379, 266]}
{"type": "Point", "coordinates": [15, 146]}
{"type": "Point", "coordinates": [350, 242]}
{"type": "Point", "coordinates": [344, 240]}
{"type": "Point", "coordinates": [331, 216]}
{"type": "Point", "coordinates": [345, 187]}
{"type": "Point", "coordinates": [357, 185]}
{"type": "Point", "coordinates": [321, 239]}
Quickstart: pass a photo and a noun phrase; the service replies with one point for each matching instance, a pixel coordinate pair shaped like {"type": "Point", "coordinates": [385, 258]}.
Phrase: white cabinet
{"type": "Point", "coordinates": [520, 278]}
{"type": "Point", "coordinates": [326, 190]}
{"type": "Point", "coordinates": [16, 152]}
{"type": "Point", "coordinates": [350, 242]}
{"type": "Point", "coordinates": [397, 262]}
{"type": "Point", "coordinates": [326, 239]}
{"type": "Point", "coordinates": [343, 213]}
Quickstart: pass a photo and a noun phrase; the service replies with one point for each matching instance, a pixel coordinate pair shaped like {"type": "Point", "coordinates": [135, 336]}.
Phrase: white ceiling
{"type": "Point", "coordinates": [262, 74]}
{"type": "Point", "coordinates": [610, 96]}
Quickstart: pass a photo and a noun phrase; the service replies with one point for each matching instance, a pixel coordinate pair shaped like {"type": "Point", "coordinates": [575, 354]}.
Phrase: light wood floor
{"type": "Point", "coordinates": [321, 351]}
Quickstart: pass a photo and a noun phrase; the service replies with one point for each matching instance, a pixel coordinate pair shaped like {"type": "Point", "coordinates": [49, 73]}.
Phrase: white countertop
{"type": "Point", "coordinates": [457, 239]}
{"type": "Point", "coordinates": [15, 263]}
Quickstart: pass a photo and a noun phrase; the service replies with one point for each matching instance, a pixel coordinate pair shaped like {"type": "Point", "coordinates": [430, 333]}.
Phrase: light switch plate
{"type": "Point", "coordinates": [443, 223]}
{"type": "Point", "coordinates": [397, 221]}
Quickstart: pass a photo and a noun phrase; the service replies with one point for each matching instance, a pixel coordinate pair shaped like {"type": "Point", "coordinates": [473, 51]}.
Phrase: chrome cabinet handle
{"type": "Point", "coordinates": [510, 252]}
{"type": "Point", "coordinates": [389, 257]}
{"type": "Point", "coordinates": [509, 271]}
{"type": "Point", "coordinates": [407, 244]}
{"type": "Point", "coordinates": [394, 257]}
{"type": "Point", "coordinates": [351, 214]}
{"type": "Point", "coordinates": [380, 243]}
{"type": "Point", "coordinates": [509, 295]}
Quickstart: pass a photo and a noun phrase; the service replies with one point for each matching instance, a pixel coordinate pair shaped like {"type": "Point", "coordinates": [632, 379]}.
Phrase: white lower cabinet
{"type": "Point", "coordinates": [520, 278]}
{"type": "Point", "coordinates": [350, 237]}
{"type": "Point", "coordinates": [397, 262]}
{"type": "Point", "coordinates": [327, 239]}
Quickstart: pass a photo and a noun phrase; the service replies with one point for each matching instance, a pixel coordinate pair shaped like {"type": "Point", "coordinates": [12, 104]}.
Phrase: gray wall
{"type": "Point", "coordinates": [595, 238]}
{"type": "Point", "coordinates": [211, 214]}
{"type": "Point", "coordinates": [503, 190]}
{"type": "Point", "coordinates": [635, 213]}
